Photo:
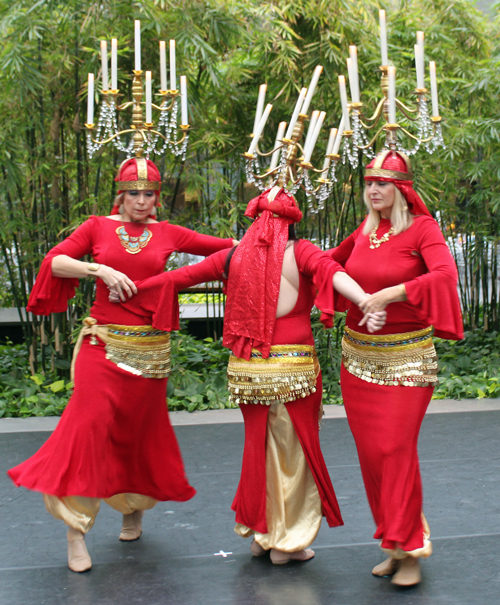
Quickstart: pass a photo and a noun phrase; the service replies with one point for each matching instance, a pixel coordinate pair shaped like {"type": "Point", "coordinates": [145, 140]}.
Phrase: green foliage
{"type": "Point", "coordinates": [470, 368]}
{"type": "Point", "coordinates": [198, 379]}
{"type": "Point", "coordinates": [22, 395]}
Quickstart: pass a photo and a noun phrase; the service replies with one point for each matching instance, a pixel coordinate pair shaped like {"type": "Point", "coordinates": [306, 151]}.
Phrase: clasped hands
{"type": "Point", "coordinates": [374, 306]}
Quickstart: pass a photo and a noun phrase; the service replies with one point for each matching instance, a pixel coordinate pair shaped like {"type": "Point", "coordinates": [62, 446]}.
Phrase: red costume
{"type": "Point", "coordinates": [115, 435]}
{"type": "Point", "coordinates": [251, 328]}
{"type": "Point", "coordinates": [385, 420]}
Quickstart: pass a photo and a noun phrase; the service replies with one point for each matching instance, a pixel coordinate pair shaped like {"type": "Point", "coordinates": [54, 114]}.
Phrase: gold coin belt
{"type": "Point", "coordinates": [140, 350]}
{"type": "Point", "coordinates": [290, 372]}
{"type": "Point", "coordinates": [407, 359]}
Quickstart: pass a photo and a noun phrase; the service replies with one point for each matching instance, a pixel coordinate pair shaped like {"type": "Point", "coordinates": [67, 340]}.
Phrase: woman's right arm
{"type": "Point", "coordinates": [157, 296]}
{"type": "Point", "coordinates": [65, 266]}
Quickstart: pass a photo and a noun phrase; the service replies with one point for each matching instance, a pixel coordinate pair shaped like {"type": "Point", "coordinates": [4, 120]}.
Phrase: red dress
{"type": "Point", "coordinates": [316, 272]}
{"type": "Point", "coordinates": [115, 434]}
{"type": "Point", "coordinates": [385, 420]}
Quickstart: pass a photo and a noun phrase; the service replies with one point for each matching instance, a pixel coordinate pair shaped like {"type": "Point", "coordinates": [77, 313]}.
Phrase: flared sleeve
{"type": "Point", "coordinates": [321, 268]}
{"type": "Point", "coordinates": [186, 240]}
{"type": "Point", "coordinates": [157, 297]}
{"type": "Point", "coordinates": [51, 294]}
{"type": "Point", "coordinates": [434, 294]}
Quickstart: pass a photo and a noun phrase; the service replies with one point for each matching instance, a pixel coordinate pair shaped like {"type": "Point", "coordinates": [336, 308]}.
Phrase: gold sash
{"type": "Point", "coordinates": [407, 359]}
{"type": "Point", "coordinates": [288, 373]}
{"type": "Point", "coordinates": [140, 350]}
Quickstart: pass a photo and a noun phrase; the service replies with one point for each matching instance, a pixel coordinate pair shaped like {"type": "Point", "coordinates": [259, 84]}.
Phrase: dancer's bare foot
{"type": "Point", "coordinates": [408, 573]}
{"type": "Point", "coordinates": [256, 549]}
{"type": "Point", "coordinates": [131, 527]}
{"type": "Point", "coordinates": [78, 555]}
{"type": "Point", "coordinates": [279, 557]}
{"type": "Point", "coordinates": [387, 568]}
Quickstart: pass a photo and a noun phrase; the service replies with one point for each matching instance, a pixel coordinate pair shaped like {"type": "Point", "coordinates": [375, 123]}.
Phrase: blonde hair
{"type": "Point", "coordinates": [401, 217]}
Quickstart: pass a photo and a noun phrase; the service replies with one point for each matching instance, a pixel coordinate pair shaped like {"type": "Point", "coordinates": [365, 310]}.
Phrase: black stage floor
{"type": "Point", "coordinates": [174, 562]}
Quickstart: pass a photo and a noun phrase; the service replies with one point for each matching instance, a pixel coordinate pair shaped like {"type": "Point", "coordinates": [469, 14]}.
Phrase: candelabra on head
{"type": "Point", "coordinates": [146, 138]}
{"type": "Point", "coordinates": [288, 170]}
{"type": "Point", "coordinates": [364, 131]}
{"type": "Point", "coordinates": [354, 134]}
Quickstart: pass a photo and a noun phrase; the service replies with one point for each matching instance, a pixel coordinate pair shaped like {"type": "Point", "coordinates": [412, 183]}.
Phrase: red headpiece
{"type": "Point", "coordinates": [395, 167]}
{"type": "Point", "coordinates": [138, 174]}
{"type": "Point", "coordinates": [255, 275]}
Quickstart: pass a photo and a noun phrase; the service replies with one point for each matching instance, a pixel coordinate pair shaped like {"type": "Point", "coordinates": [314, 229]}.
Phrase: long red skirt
{"type": "Point", "coordinates": [114, 437]}
{"type": "Point", "coordinates": [385, 422]}
{"type": "Point", "coordinates": [250, 500]}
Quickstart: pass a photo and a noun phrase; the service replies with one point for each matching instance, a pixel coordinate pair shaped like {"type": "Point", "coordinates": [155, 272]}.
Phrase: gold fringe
{"type": "Point", "coordinates": [140, 350]}
{"type": "Point", "coordinates": [407, 359]}
{"type": "Point", "coordinates": [288, 373]}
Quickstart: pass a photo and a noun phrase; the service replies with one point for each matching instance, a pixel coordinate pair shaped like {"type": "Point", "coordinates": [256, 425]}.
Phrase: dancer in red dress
{"type": "Point", "coordinates": [387, 380]}
{"type": "Point", "coordinates": [114, 440]}
{"type": "Point", "coordinates": [274, 375]}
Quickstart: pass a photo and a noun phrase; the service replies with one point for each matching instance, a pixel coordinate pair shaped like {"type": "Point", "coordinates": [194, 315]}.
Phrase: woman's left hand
{"type": "Point", "coordinates": [114, 297]}
{"type": "Point", "coordinates": [379, 301]}
{"type": "Point", "coordinates": [235, 242]}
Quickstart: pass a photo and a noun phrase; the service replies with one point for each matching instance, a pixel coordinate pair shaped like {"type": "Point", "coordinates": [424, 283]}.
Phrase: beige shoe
{"type": "Point", "coordinates": [279, 557]}
{"type": "Point", "coordinates": [78, 556]}
{"type": "Point", "coordinates": [256, 549]}
{"type": "Point", "coordinates": [131, 527]}
{"type": "Point", "coordinates": [408, 573]}
{"type": "Point", "coordinates": [387, 568]}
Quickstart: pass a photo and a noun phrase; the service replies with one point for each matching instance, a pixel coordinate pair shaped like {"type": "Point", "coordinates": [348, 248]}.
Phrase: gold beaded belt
{"type": "Point", "coordinates": [407, 359]}
{"type": "Point", "coordinates": [288, 373]}
{"type": "Point", "coordinates": [141, 350]}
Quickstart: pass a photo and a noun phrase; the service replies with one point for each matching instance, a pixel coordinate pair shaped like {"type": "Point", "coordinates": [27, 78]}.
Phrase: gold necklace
{"type": "Point", "coordinates": [375, 242]}
{"type": "Point", "coordinates": [133, 245]}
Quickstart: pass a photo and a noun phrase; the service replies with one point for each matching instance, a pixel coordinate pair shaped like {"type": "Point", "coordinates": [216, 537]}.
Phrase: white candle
{"type": "Point", "coordinates": [149, 109]}
{"type": "Point", "coordinates": [279, 138]}
{"type": "Point", "coordinates": [329, 147]}
{"type": "Point", "coordinates": [383, 37]}
{"type": "Point", "coordinates": [338, 139]}
{"type": "Point", "coordinates": [312, 125]}
{"type": "Point", "coordinates": [260, 106]}
{"type": "Point", "coordinates": [173, 79]}
{"type": "Point", "coordinates": [312, 87]}
{"type": "Point", "coordinates": [184, 101]}
{"type": "Point", "coordinates": [104, 64]}
{"type": "Point", "coordinates": [343, 100]}
{"type": "Point", "coordinates": [420, 64]}
{"type": "Point", "coordinates": [296, 111]}
{"type": "Point", "coordinates": [114, 64]}
{"type": "Point", "coordinates": [420, 75]}
{"type": "Point", "coordinates": [391, 72]}
{"type": "Point", "coordinates": [260, 128]}
{"type": "Point", "coordinates": [163, 66]}
{"type": "Point", "coordinates": [90, 99]}
{"type": "Point", "coordinates": [315, 135]}
{"type": "Point", "coordinates": [353, 75]}
{"type": "Point", "coordinates": [434, 89]}
{"type": "Point", "coordinates": [137, 45]}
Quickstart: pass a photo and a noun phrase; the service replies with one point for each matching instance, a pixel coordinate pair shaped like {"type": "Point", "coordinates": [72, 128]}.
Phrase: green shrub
{"type": "Point", "coordinates": [469, 369]}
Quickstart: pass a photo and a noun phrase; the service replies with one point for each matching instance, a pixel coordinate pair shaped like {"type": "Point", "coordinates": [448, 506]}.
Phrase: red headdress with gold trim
{"type": "Point", "coordinates": [395, 167]}
{"type": "Point", "coordinates": [255, 275]}
{"type": "Point", "coordinates": [138, 174]}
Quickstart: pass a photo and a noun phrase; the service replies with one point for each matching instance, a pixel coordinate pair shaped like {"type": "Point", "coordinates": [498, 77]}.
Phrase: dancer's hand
{"type": "Point", "coordinates": [117, 282]}
{"type": "Point", "coordinates": [374, 321]}
{"type": "Point", "coordinates": [235, 242]}
{"type": "Point", "coordinates": [379, 301]}
{"type": "Point", "coordinates": [114, 297]}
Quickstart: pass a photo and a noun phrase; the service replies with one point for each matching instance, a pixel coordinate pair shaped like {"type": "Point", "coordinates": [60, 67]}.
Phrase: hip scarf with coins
{"type": "Point", "coordinates": [140, 350]}
{"type": "Point", "coordinates": [407, 359]}
{"type": "Point", "coordinates": [290, 372]}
